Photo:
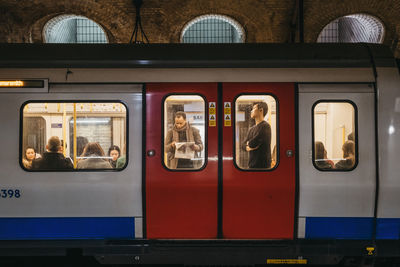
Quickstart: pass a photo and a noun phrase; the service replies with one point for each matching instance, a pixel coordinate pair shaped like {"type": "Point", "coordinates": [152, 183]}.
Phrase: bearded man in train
{"type": "Point", "coordinates": [258, 140]}
{"type": "Point", "coordinates": [181, 137]}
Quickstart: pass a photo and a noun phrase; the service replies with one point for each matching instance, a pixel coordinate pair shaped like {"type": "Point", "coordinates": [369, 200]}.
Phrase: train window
{"type": "Point", "coordinates": [184, 132]}
{"type": "Point", "coordinates": [73, 136]}
{"type": "Point", "coordinates": [255, 132]}
{"type": "Point", "coordinates": [334, 135]}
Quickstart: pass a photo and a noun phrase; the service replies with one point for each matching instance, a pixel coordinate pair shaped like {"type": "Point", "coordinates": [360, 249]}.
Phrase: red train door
{"type": "Point", "coordinates": [181, 193]}
{"type": "Point", "coordinates": [258, 197]}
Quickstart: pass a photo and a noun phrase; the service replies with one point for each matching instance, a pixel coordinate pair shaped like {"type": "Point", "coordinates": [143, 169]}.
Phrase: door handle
{"type": "Point", "coordinates": [289, 153]}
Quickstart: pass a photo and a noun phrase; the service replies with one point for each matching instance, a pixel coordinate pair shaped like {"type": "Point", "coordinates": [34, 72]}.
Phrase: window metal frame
{"type": "Point", "coordinates": [205, 145]}
{"type": "Point", "coordinates": [355, 133]}
{"type": "Point", "coordinates": [21, 132]}
{"type": "Point", "coordinates": [277, 133]}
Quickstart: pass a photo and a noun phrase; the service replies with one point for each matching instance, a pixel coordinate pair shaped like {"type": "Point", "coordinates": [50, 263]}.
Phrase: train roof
{"type": "Point", "coordinates": [194, 55]}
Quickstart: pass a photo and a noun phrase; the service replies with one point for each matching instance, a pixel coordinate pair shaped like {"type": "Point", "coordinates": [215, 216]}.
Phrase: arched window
{"type": "Point", "coordinates": [212, 29]}
{"type": "Point", "coordinates": [356, 28]}
{"type": "Point", "coordinates": [73, 29]}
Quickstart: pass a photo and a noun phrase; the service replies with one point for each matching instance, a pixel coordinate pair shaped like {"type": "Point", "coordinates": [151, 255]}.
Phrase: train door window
{"type": "Point", "coordinates": [334, 135]}
{"type": "Point", "coordinates": [98, 129]}
{"type": "Point", "coordinates": [184, 132]}
{"type": "Point", "coordinates": [256, 132]}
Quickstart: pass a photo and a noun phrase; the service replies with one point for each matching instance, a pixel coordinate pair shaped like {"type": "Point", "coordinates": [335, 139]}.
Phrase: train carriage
{"type": "Point", "coordinates": [327, 192]}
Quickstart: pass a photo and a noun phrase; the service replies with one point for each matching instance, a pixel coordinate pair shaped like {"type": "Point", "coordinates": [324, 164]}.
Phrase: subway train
{"type": "Point", "coordinates": [211, 154]}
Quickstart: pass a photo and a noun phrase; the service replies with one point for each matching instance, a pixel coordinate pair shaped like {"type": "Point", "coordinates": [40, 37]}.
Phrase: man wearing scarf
{"type": "Point", "coordinates": [182, 132]}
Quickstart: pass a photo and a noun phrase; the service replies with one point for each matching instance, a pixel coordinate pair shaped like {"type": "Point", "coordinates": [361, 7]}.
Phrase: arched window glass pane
{"type": "Point", "coordinates": [212, 29]}
{"type": "Point", "coordinates": [73, 29]}
{"type": "Point", "coordinates": [357, 28]}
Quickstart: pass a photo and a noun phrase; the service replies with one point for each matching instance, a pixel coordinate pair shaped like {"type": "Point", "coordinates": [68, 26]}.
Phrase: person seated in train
{"type": "Point", "coordinates": [258, 139]}
{"type": "Point", "coordinates": [114, 152]}
{"type": "Point", "coordinates": [52, 159]}
{"type": "Point", "coordinates": [348, 155]}
{"type": "Point", "coordinates": [29, 156]}
{"type": "Point", "coordinates": [121, 160]}
{"type": "Point", "coordinates": [321, 157]}
{"type": "Point", "coordinates": [94, 157]}
{"type": "Point", "coordinates": [182, 132]}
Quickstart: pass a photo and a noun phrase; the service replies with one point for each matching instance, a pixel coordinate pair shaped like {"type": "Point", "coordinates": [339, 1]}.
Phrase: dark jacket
{"type": "Point", "coordinates": [259, 136]}
{"type": "Point", "coordinates": [345, 164]}
{"type": "Point", "coordinates": [323, 164]}
{"type": "Point", "coordinates": [52, 161]}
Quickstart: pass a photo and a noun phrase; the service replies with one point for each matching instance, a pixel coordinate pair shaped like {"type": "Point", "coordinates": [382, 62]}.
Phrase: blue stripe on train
{"type": "Point", "coordinates": [339, 228]}
{"type": "Point", "coordinates": [67, 228]}
{"type": "Point", "coordinates": [388, 228]}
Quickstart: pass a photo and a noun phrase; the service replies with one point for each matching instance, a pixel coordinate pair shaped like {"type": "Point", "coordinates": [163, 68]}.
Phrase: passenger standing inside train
{"type": "Point", "coordinates": [348, 155]}
{"type": "Point", "coordinates": [94, 157]}
{"type": "Point", "coordinates": [52, 159]}
{"type": "Point", "coordinates": [182, 132]}
{"type": "Point", "coordinates": [114, 152]}
{"type": "Point", "coordinates": [258, 140]}
{"type": "Point", "coordinates": [29, 156]}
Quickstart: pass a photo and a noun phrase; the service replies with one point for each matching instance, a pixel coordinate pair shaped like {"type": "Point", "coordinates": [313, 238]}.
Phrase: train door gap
{"type": "Point", "coordinates": [144, 149]}
{"type": "Point", "coordinates": [297, 186]}
{"type": "Point", "coordinates": [220, 158]}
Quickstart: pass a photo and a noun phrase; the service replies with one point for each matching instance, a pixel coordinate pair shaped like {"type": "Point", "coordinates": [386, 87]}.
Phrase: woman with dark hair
{"type": "Point", "coordinates": [114, 152]}
{"type": "Point", "coordinates": [28, 157]}
{"type": "Point", "coordinates": [93, 156]}
{"type": "Point", "coordinates": [321, 157]}
{"type": "Point", "coordinates": [348, 155]}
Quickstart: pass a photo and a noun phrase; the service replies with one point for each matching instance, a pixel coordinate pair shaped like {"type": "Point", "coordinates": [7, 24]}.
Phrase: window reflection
{"type": "Point", "coordinates": [255, 132]}
{"type": "Point", "coordinates": [184, 128]}
{"type": "Point", "coordinates": [334, 135]}
{"type": "Point", "coordinates": [98, 129]}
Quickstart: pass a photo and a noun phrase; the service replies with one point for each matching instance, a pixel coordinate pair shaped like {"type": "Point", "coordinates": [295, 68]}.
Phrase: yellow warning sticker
{"type": "Point", "coordinates": [227, 108]}
{"type": "Point", "coordinates": [211, 108]}
{"type": "Point", "coordinates": [227, 120]}
{"type": "Point", "coordinates": [286, 261]}
{"type": "Point", "coordinates": [212, 120]}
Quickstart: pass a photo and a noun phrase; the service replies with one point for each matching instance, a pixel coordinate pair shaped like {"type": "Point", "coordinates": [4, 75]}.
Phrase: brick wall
{"type": "Point", "coordinates": [163, 20]}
